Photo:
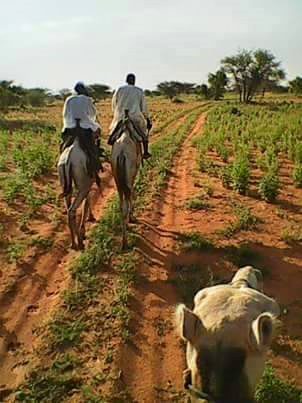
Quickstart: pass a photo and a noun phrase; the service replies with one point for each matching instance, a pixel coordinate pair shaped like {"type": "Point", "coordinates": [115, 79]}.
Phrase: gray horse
{"type": "Point", "coordinates": [72, 169]}
{"type": "Point", "coordinates": [126, 158]}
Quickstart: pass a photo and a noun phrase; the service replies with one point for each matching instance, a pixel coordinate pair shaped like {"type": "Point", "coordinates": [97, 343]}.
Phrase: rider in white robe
{"type": "Point", "coordinates": [132, 98]}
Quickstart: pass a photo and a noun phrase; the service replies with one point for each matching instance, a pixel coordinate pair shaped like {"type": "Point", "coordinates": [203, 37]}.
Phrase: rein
{"type": "Point", "coordinates": [198, 394]}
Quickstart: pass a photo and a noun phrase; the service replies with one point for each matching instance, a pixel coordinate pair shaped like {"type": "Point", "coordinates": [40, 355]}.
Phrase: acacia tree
{"type": "Point", "coordinates": [100, 91]}
{"type": "Point", "coordinates": [217, 82]}
{"type": "Point", "coordinates": [202, 90]}
{"type": "Point", "coordinates": [248, 70]}
{"type": "Point", "coordinates": [296, 85]}
{"type": "Point", "coordinates": [171, 89]}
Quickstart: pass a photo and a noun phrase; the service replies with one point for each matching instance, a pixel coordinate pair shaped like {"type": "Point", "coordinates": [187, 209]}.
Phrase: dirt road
{"type": "Point", "coordinates": [152, 365]}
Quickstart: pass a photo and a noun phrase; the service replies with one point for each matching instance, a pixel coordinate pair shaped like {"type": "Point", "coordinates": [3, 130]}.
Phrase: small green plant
{"type": "Point", "coordinates": [208, 189]}
{"type": "Point", "coordinates": [2, 235]}
{"type": "Point", "coordinates": [245, 220]}
{"type": "Point", "coordinates": [297, 175]}
{"type": "Point", "coordinates": [274, 390]}
{"type": "Point", "coordinates": [43, 243]}
{"type": "Point", "coordinates": [15, 252]}
{"type": "Point", "coordinates": [193, 241]}
{"type": "Point", "coordinates": [66, 332]}
{"type": "Point", "coordinates": [292, 234]}
{"type": "Point", "coordinates": [51, 385]}
{"type": "Point", "coordinates": [197, 204]}
{"type": "Point", "coordinates": [226, 176]}
{"type": "Point", "coordinates": [223, 152]}
{"type": "Point", "coordinates": [269, 186]}
{"type": "Point", "coordinates": [240, 174]}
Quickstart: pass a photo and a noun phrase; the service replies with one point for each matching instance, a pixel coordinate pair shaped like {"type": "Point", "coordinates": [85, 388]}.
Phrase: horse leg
{"type": "Point", "coordinates": [123, 208]}
{"type": "Point", "coordinates": [132, 218]}
{"type": "Point", "coordinates": [91, 217]}
{"type": "Point", "coordinates": [71, 214]}
{"type": "Point", "coordinates": [81, 195]}
{"type": "Point", "coordinates": [85, 212]}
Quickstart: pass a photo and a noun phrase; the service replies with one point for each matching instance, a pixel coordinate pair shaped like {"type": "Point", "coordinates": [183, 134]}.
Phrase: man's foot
{"type": "Point", "coordinates": [146, 155]}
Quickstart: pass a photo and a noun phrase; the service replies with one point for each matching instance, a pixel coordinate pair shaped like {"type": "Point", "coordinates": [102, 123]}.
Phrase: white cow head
{"type": "Point", "coordinates": [228, 334]}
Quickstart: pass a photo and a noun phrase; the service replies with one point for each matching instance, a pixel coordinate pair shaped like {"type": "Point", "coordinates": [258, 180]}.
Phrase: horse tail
{"type": "Point", "coordinates": [121, 176]}
{"type": "Point", "coordinates": [65, 175]}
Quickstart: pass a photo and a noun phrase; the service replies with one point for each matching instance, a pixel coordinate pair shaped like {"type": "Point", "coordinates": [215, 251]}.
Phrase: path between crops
{"type": "Point", "coordinates": [34, 295]}
{"type": "Point", "coordinates": [152, 365]}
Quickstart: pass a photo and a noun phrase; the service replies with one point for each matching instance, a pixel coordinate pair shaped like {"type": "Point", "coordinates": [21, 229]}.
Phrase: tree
{"type": "Point", "coordinates": [248, 70]}
{"type": "Point", "coordinates": [37, 97]}
{"type": "Point", "coordinates": [217, 82]}
{"type": "Point", "coordinates": [10, 95]}
{"type": "Point", "coordinates": [64, 93]}
{"type": "Point", "coordinates": [171, 89]}
{"type": "Point", "coordinates": [168, 89]}
{"type": "Point", "coordinates": [100, 91]}
{"type": "Point", "coordinates": [295, 85]}
{"type": "Point", "coordinates": [202, 90]}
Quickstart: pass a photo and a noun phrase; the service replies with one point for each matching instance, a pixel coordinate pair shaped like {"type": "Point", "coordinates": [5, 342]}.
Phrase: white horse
{"type": "Point", "coordinates": [72, 169]}
{"type": "Point", "coordinates": [126, 158]}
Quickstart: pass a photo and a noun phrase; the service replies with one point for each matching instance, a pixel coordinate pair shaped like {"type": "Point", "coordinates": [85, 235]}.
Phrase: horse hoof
{"type": "Point", "coordinates": [125, 246]}
{"type": "Point", "coordinates": [73, 246]}
{"type": "Point", "coordinates": [81, 246]}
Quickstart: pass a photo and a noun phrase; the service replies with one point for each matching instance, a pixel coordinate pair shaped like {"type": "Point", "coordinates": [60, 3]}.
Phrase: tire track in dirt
{"type": "Point", "coordinates": [34, 295]}
{"type": "Point", "coordinates": [152, 365]}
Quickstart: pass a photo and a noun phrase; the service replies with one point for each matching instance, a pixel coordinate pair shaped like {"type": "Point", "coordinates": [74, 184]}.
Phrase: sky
{"type": "Point", "coordinates": [54, 43]}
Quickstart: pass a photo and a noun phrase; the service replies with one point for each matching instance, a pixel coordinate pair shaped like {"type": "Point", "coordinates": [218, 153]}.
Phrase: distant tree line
{"type": "Point", "coordinates": [12, 95]}
{"type": "Point", "coordinates": [247, 73]}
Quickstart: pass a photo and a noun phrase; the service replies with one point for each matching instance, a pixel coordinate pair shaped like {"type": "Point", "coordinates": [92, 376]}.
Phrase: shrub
{"type": "Point", "coordinates": [274, 390]}
{"type": "Point", "coordinates": [269, 186]}
{"type": "Point", "coordinates": [240, 174]}
{"type": "Point", "coordinates": [245, 220]}
{"type": "Point", "coordinates": [226, 176]}
{"type": "Point", "coordinates": [197, 204]}
{"type": "Point", "coordinates": [297, 175]}
{"type": "Point", "coordinates": [194, 241]}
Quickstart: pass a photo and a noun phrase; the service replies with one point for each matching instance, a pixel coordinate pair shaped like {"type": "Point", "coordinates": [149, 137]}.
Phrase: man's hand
{"type": "Point", "coordinates": [149, 124]}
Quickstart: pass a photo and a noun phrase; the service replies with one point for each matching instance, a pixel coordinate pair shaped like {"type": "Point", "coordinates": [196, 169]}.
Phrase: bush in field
{"type": "Point", "coordinates": [269, 186]}
{"type": "Point", "coordinates": [296, 86]}
{"type": "Point", "coordinates": [226, 176]}
{"type": "Point", "coordinates": [35, 160]}
{"type": "Point", "coordinates": [298, 153]}
{"type": "Point", "coordinates": [273, 390]}
{"type": "Point", "coordinates": [240, 174]}
{"type": "Point", "coordinates": [223, 152]}
{"type": "Point", "coordinates": [297, 175]}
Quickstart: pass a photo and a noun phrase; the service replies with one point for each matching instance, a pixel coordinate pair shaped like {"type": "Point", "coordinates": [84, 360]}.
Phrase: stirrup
{"type": "Point", "coordinates": [146, 156]}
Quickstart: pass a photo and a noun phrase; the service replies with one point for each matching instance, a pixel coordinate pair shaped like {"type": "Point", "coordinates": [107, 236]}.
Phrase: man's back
{"type": "Point", "coordinates": [80, 107]}
{"type": "Point", "coordinates": [132, 98]}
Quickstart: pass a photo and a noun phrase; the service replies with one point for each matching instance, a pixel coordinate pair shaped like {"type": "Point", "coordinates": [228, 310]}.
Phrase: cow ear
{"type": "Point", "coordinates": [259, 277]}
{"type": "Point", "coordinates": [262, 331]}
{"type": "Point", "coordinates": [190, 326]}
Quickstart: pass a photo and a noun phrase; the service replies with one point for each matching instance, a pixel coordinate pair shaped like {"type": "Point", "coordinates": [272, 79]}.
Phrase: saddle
{"type": "Point", "coordinates": [137, 134]}
{"type": "Point", "coordinates": [88, 146]}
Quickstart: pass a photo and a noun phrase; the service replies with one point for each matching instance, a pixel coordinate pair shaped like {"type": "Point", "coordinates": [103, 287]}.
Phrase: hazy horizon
{"type": "Point", "coordinates": [60, 42]}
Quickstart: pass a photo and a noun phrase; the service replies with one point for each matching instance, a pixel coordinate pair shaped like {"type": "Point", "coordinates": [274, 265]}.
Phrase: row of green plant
{"type": "Point", "coordinates": [26, 158]}
{"type": "Point", "coordinates": [253, 137]}
{"type": "Point", "coordinates": [85, 315]}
